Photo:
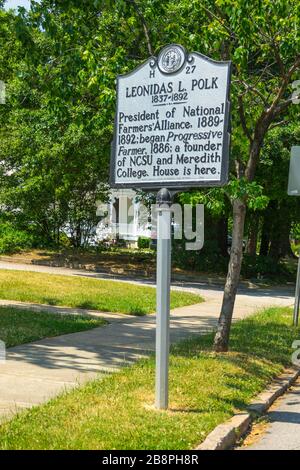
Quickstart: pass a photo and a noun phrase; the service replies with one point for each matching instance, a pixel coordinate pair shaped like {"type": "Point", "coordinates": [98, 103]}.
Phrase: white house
{"type": "Point", "coordinates": [123, 217]}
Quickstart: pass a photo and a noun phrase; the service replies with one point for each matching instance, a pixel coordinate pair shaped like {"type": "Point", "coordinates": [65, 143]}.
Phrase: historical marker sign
{"type": "Point", "coordinates": [172, 122]}
{"type": "Point", "coordinates": [171, 131]}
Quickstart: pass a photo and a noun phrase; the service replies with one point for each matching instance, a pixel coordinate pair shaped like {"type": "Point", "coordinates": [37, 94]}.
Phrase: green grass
{"type": "Point", "coordinates": [21, 326]}
{"type": "Point", "coordinates": [96, 294]}
{"type": "Point", "coordinates": [205, 390]}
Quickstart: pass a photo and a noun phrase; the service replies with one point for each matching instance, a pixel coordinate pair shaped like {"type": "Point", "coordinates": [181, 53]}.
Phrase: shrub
{"type": "Point", "coordinates": [208, 261]}
{"type": "Point", "coordinates": [13, 240]}
{"type": "Point", "coordinates": [144, 242]}
{"type": "Point", "coordinates": [205, 260]}
{"type": "Point", "coordinates": [264, 266]}
{"type": "Point", "coordinates": [64, 240]}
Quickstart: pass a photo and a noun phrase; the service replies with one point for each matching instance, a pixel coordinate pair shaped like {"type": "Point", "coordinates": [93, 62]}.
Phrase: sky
{"type": "Point", "coordinates": [16, 3]}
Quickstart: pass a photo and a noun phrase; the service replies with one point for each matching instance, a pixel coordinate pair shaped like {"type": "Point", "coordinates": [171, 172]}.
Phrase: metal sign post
{"type": "Point", "coordinates": [294, 190]}
{"type": "Point", "coordinates": [163, 275]}
{"type": "Point", "coordinates": [297, 297]}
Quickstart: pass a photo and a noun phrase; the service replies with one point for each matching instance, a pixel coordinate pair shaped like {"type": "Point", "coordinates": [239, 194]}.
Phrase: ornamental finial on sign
{"type": "Point", "coordinates": [171, 58]}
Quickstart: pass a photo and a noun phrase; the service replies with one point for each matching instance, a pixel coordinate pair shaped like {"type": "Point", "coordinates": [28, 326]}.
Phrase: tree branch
{"type": "Point", "coordinates": [254, 90]}
{"type": "Point", "coordinates": [285, 82]}
{"type": "Point", "coordinates": [145, 27]}
{"type": "Point", "coordinates": [219, 20]}
{"type": "Point", "coordinates": [285, 104]}
{"type": "Point", "coordinates": [278, 57]}
{"type": "Point", "coordinates": [243, 118]}
{"type": "Point", "coordinates": [265, 120]}
{"type": "Point", "coordinates": [277, 124]}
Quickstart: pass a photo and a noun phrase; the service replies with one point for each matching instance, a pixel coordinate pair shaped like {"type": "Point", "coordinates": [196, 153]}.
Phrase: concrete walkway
{"type": "Point", "coordinates": [33, 373]}
{"type": "Point", "coordinates": [282, 433]}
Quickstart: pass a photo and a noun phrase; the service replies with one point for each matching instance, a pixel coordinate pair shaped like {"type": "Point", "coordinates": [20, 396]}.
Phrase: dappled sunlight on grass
{"type": "Point", "coordinates": [205, 389]}
{"type": "Point", "coordinates": [80, 292]}
{"type": "Point", "coordinates": [23, 326]}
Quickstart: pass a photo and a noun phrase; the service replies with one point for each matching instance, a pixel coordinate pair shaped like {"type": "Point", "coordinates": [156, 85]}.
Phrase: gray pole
{"type": "Point", "coordinates": [163, 275]}
{"type": "Point", "coordinates": [297, 293]}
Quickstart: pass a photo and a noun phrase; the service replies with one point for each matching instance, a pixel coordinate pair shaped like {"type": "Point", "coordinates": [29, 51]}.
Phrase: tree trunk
{"type": "Point", "coordinates": [265, 237]}
{"type": "Point", "coordinates": [275, 227]}
{"type": "Point", "coordinates": [285, 224]}
{"type": "Point", "coordinates": [232, 280]}
{"type": "Point", "coordinates": [274, 251]}
{"type": "Point", "coordinates": [285, 244]}
{"type": "Point", "coordinates": [252, 237]}
{"type": "Point", "coordinates": [267, 233]}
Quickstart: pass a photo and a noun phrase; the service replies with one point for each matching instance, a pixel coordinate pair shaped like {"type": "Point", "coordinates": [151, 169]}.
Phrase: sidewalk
{"type": "Point", "coordinates": [33, 373]}
{"type": "Point", "coordinates": [282, 433]}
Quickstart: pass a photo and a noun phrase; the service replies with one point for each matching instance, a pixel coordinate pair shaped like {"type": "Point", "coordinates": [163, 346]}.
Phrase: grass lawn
{"type": "Point", "coordinates": [205, 390]}
{"type": "Point", "coordinates": [21, 326]}
{"type": "Point", "coordinates": [72, 291]}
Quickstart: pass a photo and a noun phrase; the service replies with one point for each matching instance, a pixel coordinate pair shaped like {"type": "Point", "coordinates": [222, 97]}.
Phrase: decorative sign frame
{"type": "Point", "coordinates": [172, 123]}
